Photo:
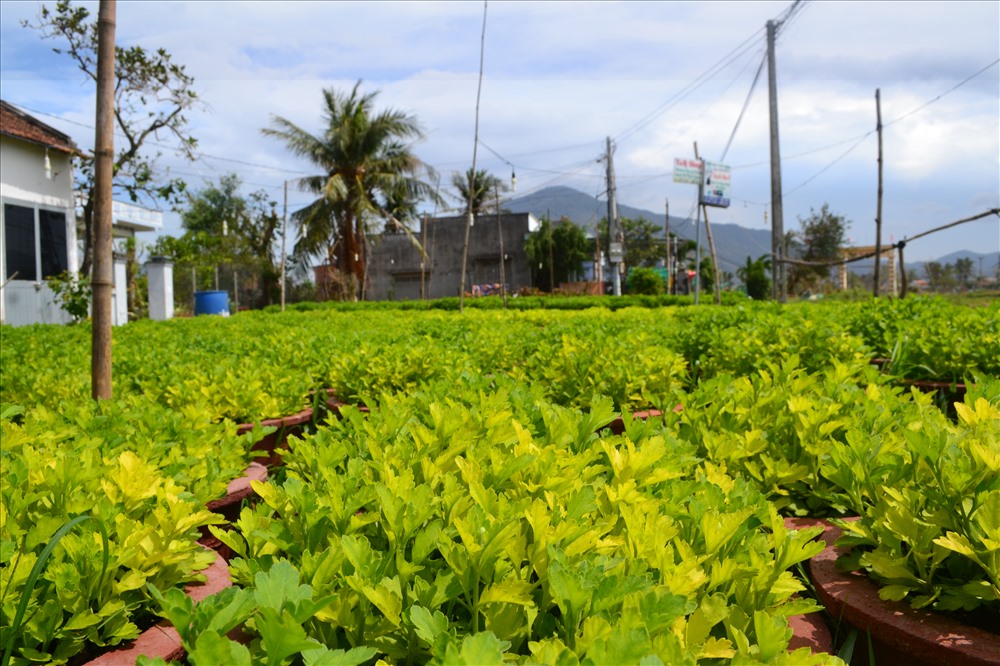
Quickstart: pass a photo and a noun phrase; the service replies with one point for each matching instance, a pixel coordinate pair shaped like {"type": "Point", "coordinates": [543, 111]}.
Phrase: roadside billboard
{"type": "Point", "coordinates": [687, 170]}
{"type": "Point", "coordinates": [717, 181]}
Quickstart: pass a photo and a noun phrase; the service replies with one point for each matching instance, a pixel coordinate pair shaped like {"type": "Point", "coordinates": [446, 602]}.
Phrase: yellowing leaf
{"type": "Point", "coordinates": [510, 592]}
{"type": "Point", "coordinates": [717, 648]}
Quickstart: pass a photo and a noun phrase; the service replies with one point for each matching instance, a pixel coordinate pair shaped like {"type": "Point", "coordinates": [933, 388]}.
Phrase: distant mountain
{"type": "Point", "coordinates": [988, 263]}
{"type": "Point", "coordinates": [733, 243]}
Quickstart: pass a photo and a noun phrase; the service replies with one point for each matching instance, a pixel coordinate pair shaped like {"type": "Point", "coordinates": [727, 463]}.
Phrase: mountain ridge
{"type": "Point", "coordinates": [733, 242]}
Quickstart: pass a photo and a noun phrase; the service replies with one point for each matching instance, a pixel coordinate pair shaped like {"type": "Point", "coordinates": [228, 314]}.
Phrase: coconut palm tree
{"type": "Point", "coordinates": [484, 187]}
{"type": "Point", "coordinates": [364, 155]}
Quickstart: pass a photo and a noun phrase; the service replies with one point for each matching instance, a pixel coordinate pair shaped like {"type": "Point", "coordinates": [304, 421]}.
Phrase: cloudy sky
{"type": "Point", "coordinates": [560, 77]}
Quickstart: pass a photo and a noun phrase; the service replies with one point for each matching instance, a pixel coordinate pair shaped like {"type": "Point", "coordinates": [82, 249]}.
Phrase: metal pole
{"type": "Point", "coordinates": [778, 289]}
{"type": "Point", "coordinates": [102, 280]}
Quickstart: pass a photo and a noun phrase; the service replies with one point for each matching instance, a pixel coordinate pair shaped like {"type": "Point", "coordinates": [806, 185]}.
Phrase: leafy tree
{"type": "Point", "coordinates": [644, 280]}
{"type": "Point", "coordinates": [224, 227]}
{"type": "Point", "coordinates": [152, 94]}
{"type": "Point", "coordinates": [364, 156]}
{"type": "Point", "coordinates": [940, 277]}
{"type": "Point", "coordinates": [557, 253]}
{"type": "Point", "coordinates": [706, 275]}
{"type": "Point", "coordinates": [820, 239]}
{"type": "Point", "coordinates": [755, 276]}
{"type": "Point", "coordinates": [484, 189]}
{"type": "Point", "coordinates": [641, 245]}
{"type": "Point", "coordinates": [964, 271]}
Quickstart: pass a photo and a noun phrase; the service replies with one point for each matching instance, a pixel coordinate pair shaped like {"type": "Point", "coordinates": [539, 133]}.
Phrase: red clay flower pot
{"type": "Point", "coordinates": [900, 634]}
{"type": "Point", "coordinates": [618, 425]}
{"type": "Point", "coordinates": [230, 505]}
{"type": "Point", "coordinates": [334, 404]}
{"type": "Point", "coordinates": [163, 640]}
{"type": "Point", "coordinates": [272, 443]}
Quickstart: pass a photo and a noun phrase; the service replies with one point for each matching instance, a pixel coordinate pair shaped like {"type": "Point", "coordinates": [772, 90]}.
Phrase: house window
{"type": "Point", "coordinates": [33, 260]}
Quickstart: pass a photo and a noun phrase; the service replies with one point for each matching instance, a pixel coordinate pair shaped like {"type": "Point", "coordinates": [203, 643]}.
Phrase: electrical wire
{"type": "Point", "coordinates": [746, 104]}
{"type": "Point", "coordinates": [827, 167]}
{"type": "Point", "coordinates": [698, 82]}
{"type": "Point", "coordinates": [946, 92]}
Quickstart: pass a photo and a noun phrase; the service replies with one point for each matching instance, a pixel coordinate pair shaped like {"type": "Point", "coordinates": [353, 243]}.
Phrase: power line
{"type": "Point", "coordinates": [946, 92]}
{"type": "Point", "coordinates": [827, 167]}
{"type": "Point", "coordinates": [739, 119]}
{"type": "Point", "coordinates": [700, 80]}
{"type": "Point", "coordinates": [708, 74]}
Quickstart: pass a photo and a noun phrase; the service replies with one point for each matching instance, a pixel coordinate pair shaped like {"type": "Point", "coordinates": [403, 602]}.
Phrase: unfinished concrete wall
{"type": "Point", "coordinates": [394, 271]}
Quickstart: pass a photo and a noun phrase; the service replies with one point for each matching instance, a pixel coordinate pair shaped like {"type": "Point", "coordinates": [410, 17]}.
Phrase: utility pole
{"type": "Point", "coordinates": [552, 274]}
{"type": "Point", "coordinates": [778, 289]}
{"type": "Point", "coordinates": [614, 231]}
{"type": "Point", "coordinates": [469, 217]}
{"type": "Point", "coordinates": [102, 281]}
{"type": "Point", "coordinates": [503, 276]}
{"type": "Point", "coordinates": [878, 212]}
{"type": "Point", "coordinates": [666, 237]}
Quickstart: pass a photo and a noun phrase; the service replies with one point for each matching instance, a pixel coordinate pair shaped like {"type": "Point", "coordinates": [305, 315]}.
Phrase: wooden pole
{"type": "Point", "coordinates": [423, 257]}
{"type": "Point", "coordinates": [878, 212]}
{"type": "Point", "coordinates": [104, 153]}
{"type": "Point", "coordinates": [469, 217]}
{"type": "Point", "coordinates": [711, 241]}
{"type": "Point", "coordinates": [284, 234]}
{"type": "Point", "coordinates": [902, 269]}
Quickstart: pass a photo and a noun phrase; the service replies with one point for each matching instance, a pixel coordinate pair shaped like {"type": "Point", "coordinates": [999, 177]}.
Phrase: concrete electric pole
{"type": "Point", "coordinates": [778, 289]}
{"type": "Point", "coordinates": [616, 242]}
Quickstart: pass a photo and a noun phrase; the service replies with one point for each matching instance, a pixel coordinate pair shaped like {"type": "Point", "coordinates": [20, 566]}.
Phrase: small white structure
{"type": "Point", "coordinates": [160, 271]}
{"type": "Point", "coordinates": [37, 217]}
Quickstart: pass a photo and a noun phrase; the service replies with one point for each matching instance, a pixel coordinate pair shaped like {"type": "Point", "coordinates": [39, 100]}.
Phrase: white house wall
{"type": "Point", "coordinates": [23, 181]}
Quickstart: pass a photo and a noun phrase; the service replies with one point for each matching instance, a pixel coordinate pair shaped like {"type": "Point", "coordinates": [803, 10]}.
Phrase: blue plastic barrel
{"type": "Point", "coordinates": [211, 302]}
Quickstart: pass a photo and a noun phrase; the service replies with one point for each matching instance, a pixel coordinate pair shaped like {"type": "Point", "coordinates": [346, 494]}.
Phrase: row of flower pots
{"type": "Point", "coordinates": [898, 633]}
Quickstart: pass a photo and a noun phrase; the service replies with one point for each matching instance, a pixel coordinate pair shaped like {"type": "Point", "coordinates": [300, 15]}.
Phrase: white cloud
{"type": "Point", "coordinates": [560, 77]}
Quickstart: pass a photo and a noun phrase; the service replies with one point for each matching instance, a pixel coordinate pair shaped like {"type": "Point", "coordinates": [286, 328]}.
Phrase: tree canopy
{"type": "Point", "coordinates": [821, 238]}
{"type": "Point", "coordinates": [557, 252]}
{"type": "Point", "coordinates": [484, 188]}
{"type": "Point", "coordinates": [366, 166]}
{"type": "Point", "coordinates": [152, 94]}
{"type": "Point", "coordinates": [223, 227]}
{"type": "Point", "coordinates": [642, 248]}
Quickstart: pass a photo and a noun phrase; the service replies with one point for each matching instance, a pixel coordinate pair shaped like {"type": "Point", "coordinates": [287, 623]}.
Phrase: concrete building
{"type": "Point", "coordinates": [38, 234]}
{"type": "Point", "coordinates": [394, 265]}
{"type": "Point", "coordinates": [38, 230]}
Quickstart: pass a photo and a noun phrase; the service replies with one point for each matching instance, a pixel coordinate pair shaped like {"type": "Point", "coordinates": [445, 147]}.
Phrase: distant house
{"type": "Point", "coordinates": [38, 237]}
{"type": "Point", "coordinates": [38, 230]}
{"type": "Point", "coordinates": [394, 265]}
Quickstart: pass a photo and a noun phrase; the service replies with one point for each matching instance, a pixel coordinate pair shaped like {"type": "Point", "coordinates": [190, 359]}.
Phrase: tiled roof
{"type": "Point", "coordinates": [18, 124]}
